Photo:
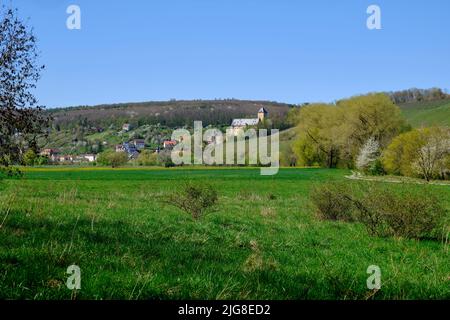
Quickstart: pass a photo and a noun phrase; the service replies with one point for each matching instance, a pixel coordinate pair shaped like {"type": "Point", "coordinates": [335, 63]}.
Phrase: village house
{"type": "Point", "coordinates": [97, 129]}
{"type": "Point", "coordinates": [120, 148]}
{"type": "Point", "coordinates": [89, 157]}
{"type": "Point", "coordinates": [82, 158]}
{"type": "Point", "coordinates": [133, 145]}
{"type": "Point", "coordinates": [65, 158]}
{"type": "Point", "coordinates": [242, 124]}
{"type": "Point", "coordinates": [61, 158]}
{"type": "Point", "coordinates": [138, 143]}
{"type": "Point", "coordinates": [169, 144]}
{"type": "Point", "coordinates": [51, 154]}
{"type": "Point", "coordinates": [126, 127]}
{"type": "Point", "coordinates": [129, 148]}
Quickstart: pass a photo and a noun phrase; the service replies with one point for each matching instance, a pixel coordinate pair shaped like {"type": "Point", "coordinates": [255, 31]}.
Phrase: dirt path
{"type": "Point", "coordinates": [359, 176]}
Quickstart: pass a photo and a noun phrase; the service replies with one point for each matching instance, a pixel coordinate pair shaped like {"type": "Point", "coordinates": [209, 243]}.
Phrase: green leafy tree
{"type": "Point", "coordinates": [432, 158]}
{"type": "Point", "coordinates": [104, 158]}
{"type": "Point", "coordinates": [319, 135]}
{"type": "Point", "coordinates": [369, 116]}
{"type": "Point", "coordinates": [118, 159]}
{"type": "Point", "coordinates": [21, 121]}
{"type": "Point", "coordinates": [147, 158]}
{"type": "Point", "coordinates": [29, 158]}
{"type": "Point", "coordinates": [421, 152]}
{"type": "Point", "coordinates": [333, 135]}
{"type": "Point", "coordinates": [113, 159]}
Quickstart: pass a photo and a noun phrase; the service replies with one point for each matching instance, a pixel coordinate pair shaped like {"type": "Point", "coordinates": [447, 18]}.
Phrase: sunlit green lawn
{"type": "Point", "coordinates": [263, 242]}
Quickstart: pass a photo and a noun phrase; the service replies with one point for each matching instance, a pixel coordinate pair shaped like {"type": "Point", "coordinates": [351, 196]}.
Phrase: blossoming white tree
{"type": "Point", "coordinates": [433, 156]}
{"type": "Point", "coordinates": [368, 154]}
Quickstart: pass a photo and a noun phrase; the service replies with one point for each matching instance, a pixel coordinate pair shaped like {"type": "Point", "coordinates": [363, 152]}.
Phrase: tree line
{"type": "Point", "coordinates": [417, 95]}
{"type": "Point", "coordinates": [369, 133]}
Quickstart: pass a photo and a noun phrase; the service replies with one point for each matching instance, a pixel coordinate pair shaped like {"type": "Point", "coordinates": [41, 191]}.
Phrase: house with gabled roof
{"type": "Point", "coordinates": [242, 124]}
{"type": "Point", "coordinates": [138, 143]}
{"type": "Point", "coordinates": [169, 144]}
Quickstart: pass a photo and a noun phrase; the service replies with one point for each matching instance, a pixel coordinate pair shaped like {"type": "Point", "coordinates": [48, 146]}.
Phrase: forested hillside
{"type": "Point", "coordinates": [168, 113]}
{"type": "Point", "coordinates": [91, 129]}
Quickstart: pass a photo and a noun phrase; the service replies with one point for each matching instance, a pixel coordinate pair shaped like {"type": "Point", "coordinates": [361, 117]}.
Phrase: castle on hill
{"type": "Point", "coordinates": [242, 124]}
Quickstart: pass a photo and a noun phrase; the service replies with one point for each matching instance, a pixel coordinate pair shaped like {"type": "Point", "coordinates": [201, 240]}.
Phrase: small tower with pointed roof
{"type": "Point", "coordinates": [262, 113]}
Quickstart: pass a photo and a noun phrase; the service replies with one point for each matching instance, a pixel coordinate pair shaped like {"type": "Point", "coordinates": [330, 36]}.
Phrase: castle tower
{"type": "Point", "coordinates": [262, 113]}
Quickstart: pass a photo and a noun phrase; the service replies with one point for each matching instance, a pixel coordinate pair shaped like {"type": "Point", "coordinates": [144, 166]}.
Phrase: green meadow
{"type": "Point", "coordinates": [262, 242]}
{"type": "Point", "coordinates": [427, 113]}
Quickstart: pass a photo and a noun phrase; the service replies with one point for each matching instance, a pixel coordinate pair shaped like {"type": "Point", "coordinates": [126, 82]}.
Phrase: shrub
{"type": "Point", "coordinates": [30, 158]}
{"type": "Point", "coordinates": [195, 199]}
{"type": "Point", "coordinates": [10, 172]}
{"type": "Point", "coordinates": [169, 164]}
{"type": "Point", "coordinates": [384, 211]}
{"type": "Point", "coordinates": [407, 214]}
{"type": "Point", "coordinates": [332, 202]}
{"type": "Point", "coordinates": [376, 168]}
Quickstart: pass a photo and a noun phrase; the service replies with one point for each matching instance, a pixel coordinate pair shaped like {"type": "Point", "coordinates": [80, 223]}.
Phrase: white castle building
{"type": "Point", "coordinates": [238, 124]}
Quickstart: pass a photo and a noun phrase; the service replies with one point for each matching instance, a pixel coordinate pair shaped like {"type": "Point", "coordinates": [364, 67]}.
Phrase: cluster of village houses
{"type": "Point", "coordinates": [135, 146]}
{"type": "Point", "coordinates": [55, 156]}
{"type": "Point", "coordinates": [132, 148]}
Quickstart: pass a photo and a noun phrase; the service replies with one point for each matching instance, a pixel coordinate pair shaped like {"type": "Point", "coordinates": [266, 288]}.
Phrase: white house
{"type": "Point", "coordinates": [238, 124]}
{"type": "Point", "coordinates": [126, 127]}
{"type": "Point", "coordinates": [90, 157]}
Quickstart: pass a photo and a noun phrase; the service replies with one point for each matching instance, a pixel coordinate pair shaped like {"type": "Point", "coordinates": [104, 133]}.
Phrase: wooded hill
{"type": "Point", "coordinates": [85, 129]}
{"type": "Point", "coordinates": [428, 105]}
{"type": "Point", "coordinates": [169, 113]}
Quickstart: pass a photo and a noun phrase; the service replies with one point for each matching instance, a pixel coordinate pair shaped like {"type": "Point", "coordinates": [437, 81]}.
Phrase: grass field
{"type": "Point", "coordinates": [428, 113]}
{"type": "Point", "coordinates": [263, 242]}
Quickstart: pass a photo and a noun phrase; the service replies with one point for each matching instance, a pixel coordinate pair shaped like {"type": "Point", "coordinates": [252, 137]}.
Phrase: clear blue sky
{"type": "Point", "coordinates": [285, 50]}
